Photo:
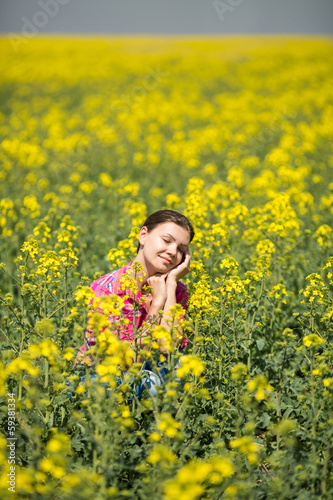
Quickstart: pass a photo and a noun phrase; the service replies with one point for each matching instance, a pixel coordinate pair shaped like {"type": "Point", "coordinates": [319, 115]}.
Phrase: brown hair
{"type": "Point", "coordinates": [162, 216]}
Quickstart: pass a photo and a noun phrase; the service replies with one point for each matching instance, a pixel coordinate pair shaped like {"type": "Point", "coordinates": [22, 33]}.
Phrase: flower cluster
{"type": "Point", "coordinates": [191, 479]}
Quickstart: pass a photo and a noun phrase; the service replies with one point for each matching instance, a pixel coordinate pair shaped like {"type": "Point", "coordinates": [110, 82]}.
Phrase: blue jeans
{"type": "Point", "coordinates": [151, 380]}
{"type": "Point", "coordinates": [154, 379]}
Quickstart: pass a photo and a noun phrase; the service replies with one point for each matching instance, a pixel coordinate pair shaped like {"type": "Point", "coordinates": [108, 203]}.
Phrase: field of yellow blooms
{"type": "Point", "coordinates": [237, 133]}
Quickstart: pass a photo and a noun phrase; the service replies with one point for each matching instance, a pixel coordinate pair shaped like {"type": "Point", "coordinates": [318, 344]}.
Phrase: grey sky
{"type": "Point", "coordinates": [167, 16]}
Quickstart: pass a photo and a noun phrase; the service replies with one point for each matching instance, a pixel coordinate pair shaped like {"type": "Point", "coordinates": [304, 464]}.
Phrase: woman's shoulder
{"type": "Point", "coordinates": [181, 286]}
{"type": "Point", "coordinates": [108, 283]}
{"type": "Point", "coordinates": [103, 280]}
{"type": "Point", "coordinates": [181, 291]}
{"type": "Point", "coordinates": [182, 294]}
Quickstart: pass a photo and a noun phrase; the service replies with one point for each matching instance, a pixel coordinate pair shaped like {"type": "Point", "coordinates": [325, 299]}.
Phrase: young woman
{"type": "Point", "coordinates": [163, 252]}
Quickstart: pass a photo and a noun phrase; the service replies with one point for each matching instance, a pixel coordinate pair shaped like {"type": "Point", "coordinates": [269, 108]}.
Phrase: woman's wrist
{"type": "Point", "coordinates": [156, 306]}
{"type": "Point", "coordinates": [171, 284]}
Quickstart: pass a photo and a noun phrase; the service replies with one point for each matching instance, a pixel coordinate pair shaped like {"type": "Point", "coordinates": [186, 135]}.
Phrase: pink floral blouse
{"type": "Point", "coordinates": [110, 284]}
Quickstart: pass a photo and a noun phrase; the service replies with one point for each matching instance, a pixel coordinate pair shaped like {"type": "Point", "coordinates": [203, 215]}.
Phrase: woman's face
{"type": "Point", "coordinates": [163, 246]}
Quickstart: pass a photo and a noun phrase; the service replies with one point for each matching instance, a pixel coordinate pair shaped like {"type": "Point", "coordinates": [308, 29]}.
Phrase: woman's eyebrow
{"type": "Point", "coordinates": [180, 244]}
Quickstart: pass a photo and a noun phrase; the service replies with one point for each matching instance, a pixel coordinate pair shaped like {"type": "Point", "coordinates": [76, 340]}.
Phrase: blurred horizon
{"type": "Point", "coordinates": [168, 18]}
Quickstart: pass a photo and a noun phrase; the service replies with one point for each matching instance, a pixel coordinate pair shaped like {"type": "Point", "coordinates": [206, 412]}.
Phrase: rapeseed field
{"type": "Point", "coordinates": [237, 134]}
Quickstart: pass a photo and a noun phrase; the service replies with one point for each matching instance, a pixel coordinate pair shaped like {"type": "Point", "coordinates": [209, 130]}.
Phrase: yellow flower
{"type": "Point", "coordinates": [31, 203]}
{"type": "Point", "coordinates": [190, 364]}
{"type": "Point", "coordinates": [316, 291]}
{"type": "Point", "coordinates": [324, 236]}
{"type": "Point", "coordinates": [196, 205]}
{"type": "Point", "coordinates": [125, 412]}
{"type": "Point", "coordinates": [154, 436]}
{"type": "Point", "coordinates": [230, 264]}
{"type": "Point", "coordinates": [84, 294]}
{"type": "Point", "coordinates": [46, 348]}
{"type": "Point", "coordinates": [161, 453]}
{"type": "Point", "coordinates": [20, 364]}
{"type": "Point", "coordinates": [223, 465]}
{"type": "Point", "coordinates": [259, 384]}
{"type": "Point", "coordinates": [105, 179]}
{"type": "Point", "coordinates": [168, 425]}
{"type": "Point", "coordinates": [25, 479]}
{"type": "Point", "coordinates": [54, 445]}
{"type": "Point", "coordinates": [279, 292]}
{"type": "Point", "coordinates": [173, 200]}
{"type": "Point", "coordinates": [238, 372]}
{"type": "Point", "coordinates": [202, 296]}
{"type": "Point", "coordinates": [3, 378]}
{"type": "Point", "coordinates": [190, 479]}
{"type": "Point", "coordinates": [247, 446]}
{"type": "Point", "coordinates": [46, 464]}
{"type": "Point", "coordinates": [31, 246]}
{"type": "Point", "coordinates": [312, 340]}
{"type": "Point", "coordinates": [163, 338]}
{"type": "Point", "coordinates": [231, 288]}
{"type": "Point", "coordinates": [58, 472]}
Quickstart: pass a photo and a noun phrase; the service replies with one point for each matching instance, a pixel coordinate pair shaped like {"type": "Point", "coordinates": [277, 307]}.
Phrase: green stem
{"type": "Point", "coordinates": [221, 342]}
{"type": "Point", "coordinates": [22, 341]}
{"type": "Point", "coordinates": [22, 311]}
{"type": "Point", "coordinates": [249, 351]}
{"type": "Point", "coordinates": [20, 388]}
{"type": "Point", "coordinates": [94, 460]}
{"type": "Point", "coordinates": [22, 298]}
{"type": "Point", "coordinates": [57, 309]}
{"type": "Point", "coordinates": [313, 426]}
{"type": "Point", "coordinates": [9, 341]}
{"type": "Point", "coordinates": [46, 373]}
{"type": "Point", "coordinates": [278, 414]}
{"type": "Point", "coordinates": [239, 418]}
{"type": "Point", "coordinates": [323, 483]}
{"type": "Point", "coordinates": [66, 279]}
{"type": "Point", "coordinates": [234, 331]}
{"type": "Point", "coordinates": [195, 336]}
{"type": "Point", "coordinates": [44, 299]}
{"type": "Point", "coordinates": [325, 467]}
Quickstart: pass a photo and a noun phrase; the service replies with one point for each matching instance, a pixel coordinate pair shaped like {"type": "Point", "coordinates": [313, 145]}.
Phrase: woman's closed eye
{"type": "Point", "coordinates": [181, 250]}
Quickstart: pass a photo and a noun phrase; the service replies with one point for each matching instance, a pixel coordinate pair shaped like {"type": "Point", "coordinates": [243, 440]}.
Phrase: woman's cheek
{"type": "Point", "coordinates": [179, 260]}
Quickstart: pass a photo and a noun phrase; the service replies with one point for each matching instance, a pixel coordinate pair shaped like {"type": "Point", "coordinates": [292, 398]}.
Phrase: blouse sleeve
{"type": "Point", "coordinates": [90, 340]}
{"type": "Point", "coordinates": [182, 295]}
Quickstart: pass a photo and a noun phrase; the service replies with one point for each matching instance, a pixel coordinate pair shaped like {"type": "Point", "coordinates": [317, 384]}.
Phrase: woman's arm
{"type": "Point", "coordinates": [171, 280]}
{"type": "Point", "coordinates": [168, 321]}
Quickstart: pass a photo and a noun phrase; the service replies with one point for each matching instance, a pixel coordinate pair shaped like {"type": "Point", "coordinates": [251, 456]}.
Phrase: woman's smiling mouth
{"type": "Point", "coordinates": [165, 259]}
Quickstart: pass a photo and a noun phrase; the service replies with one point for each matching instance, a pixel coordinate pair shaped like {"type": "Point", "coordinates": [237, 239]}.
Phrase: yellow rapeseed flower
{"type": "Point", "coordinates": [312, 340]}
{"type": "Point", "coordinates": [190, 364]}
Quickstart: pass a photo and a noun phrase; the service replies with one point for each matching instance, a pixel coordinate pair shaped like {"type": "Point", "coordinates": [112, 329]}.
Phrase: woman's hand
{"type": "Point", "coordinates": [181, 270]}
{"type": "Point", "coordinates": [159, 290]}
{"type": "Point", "coordinates": [164, 285]}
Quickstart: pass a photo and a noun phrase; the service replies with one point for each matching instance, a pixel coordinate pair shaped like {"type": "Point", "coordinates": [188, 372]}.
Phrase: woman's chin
{"type": "Point", "coordinates": [163, 267]}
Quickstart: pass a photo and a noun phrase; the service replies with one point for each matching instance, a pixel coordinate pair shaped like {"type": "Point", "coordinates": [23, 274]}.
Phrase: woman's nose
{"type": "Point", "coordinates": [172, 249]}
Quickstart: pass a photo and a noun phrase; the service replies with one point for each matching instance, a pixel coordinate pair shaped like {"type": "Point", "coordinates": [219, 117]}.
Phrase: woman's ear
{"type": "Point", "coordinates": [142, 235]}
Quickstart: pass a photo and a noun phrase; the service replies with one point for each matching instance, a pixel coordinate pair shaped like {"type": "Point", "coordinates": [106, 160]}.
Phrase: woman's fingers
{"type": "Point", "coordinates": [187, 260]}
{"type": "Point", "coordinates": [157, 282]}
{"type": "Point", "coordinates": [185, 265]}
{"type": "Point", "coordinates": [182, 269]}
